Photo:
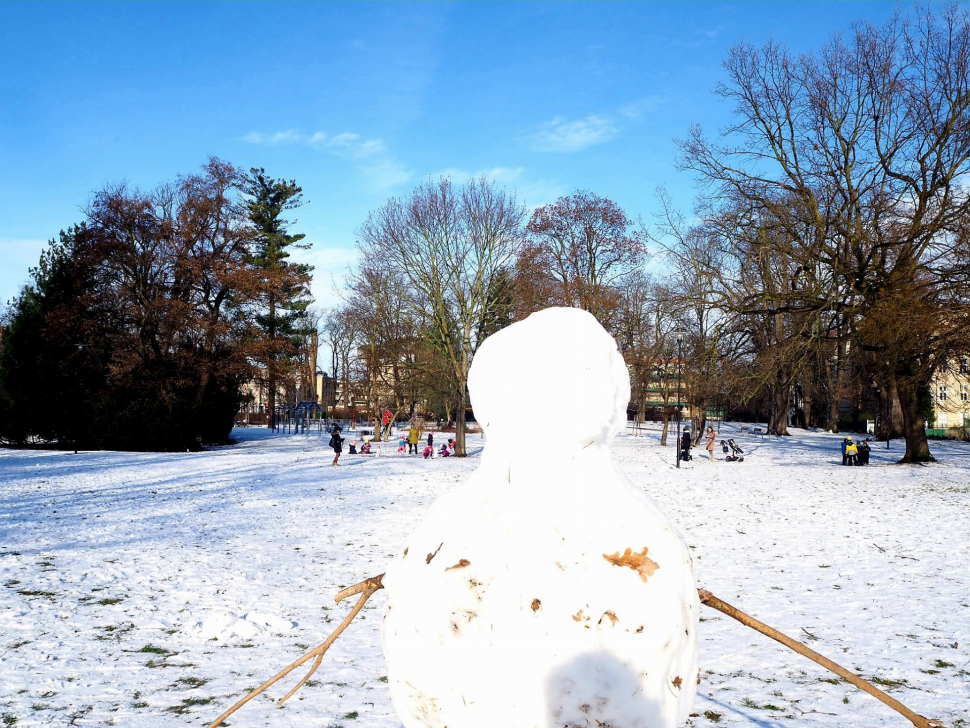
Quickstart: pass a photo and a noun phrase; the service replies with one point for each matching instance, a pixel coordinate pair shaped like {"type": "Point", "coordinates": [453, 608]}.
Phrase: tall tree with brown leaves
{"type": "Point", "coordinates": [580, 251]}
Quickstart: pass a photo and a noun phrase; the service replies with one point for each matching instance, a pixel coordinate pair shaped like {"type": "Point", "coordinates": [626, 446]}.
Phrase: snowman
{"type": "Point", "coordinates": [547, 590]}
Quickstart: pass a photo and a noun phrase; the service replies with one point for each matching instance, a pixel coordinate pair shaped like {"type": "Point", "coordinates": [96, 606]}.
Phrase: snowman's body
{"type": "Point", "coordinates": [517, 604]}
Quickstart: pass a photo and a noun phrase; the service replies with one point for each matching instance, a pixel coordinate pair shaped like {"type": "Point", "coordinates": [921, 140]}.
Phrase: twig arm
{"type": "Point", "coordinates": [749, 621]}
{"type": "Point", "coordinates": [366, 588]}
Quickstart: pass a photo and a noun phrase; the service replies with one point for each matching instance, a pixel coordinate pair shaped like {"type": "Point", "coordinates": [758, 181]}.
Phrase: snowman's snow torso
{"type": "Point", "coordinates": [545, 591]}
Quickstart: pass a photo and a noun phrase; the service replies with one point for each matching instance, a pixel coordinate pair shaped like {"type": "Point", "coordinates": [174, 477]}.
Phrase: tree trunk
{"type": "Point", "coordinates": [460, 423]}
{"type": "Point", "coordinates": [779, 409]}
{"type": "Point", "coordinates": [663, 432]}
{"type": "Point", "coordinates": [271, 365]}
{"type": "Point", "coordinates": [807, 407]}
{"type": "Point", "coordinates": [699, 421]}
{"type": "Point", "coordinates": [271, 397]}
{"type": "Point", "coordinates": [917, 447]}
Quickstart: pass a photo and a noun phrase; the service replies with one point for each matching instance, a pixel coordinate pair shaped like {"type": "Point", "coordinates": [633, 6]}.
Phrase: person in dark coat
{"type": "Point", "coordinates": [431, 439]}
{"type": "Point", "coordinates": [845, 458]}
{"type": "Point", "coordinates": [336, 442]}
{"type": "Point", "coordinates": [685, 444]}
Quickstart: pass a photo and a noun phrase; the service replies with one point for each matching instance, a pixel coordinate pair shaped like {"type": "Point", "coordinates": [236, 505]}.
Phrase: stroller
{"type": "Point", "coordinates": [737, 454]}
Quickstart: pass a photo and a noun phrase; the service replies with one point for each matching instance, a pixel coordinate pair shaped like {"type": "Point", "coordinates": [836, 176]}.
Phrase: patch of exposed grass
{"type": "Point", "coordinates": [37, 593]}
{"type": "Point", "coordinates": [49, 694]}
{"type": "Point", "coordinates": [352, 715]}
{"type": "Point", "coordinates": [941, 664]}
{"type": "Point", "coordinates": [887, 682]}
{"type": "Point", "coordinates": [712, 716]}
{"type": "Point", "coordinates": [140, 704]}
{"type": "Point", "coordinates": [191, 682]}
{"type": "Point", "coordinates": [9, 719]}
{"type": "Point", "coordinates": [155, 650]}
{"type": "Point", "coordinates": [184, 706]}
{"type": "Point", "coordinates": [17, 645]}
{"type": "Point", "coordinates": [108, 601]}
{"type": "Point", "coordinates": [749, 703]}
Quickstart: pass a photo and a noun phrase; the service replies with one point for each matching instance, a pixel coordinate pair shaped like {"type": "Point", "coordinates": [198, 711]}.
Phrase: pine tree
{"type": "Point", "coordinates": [285, 296]}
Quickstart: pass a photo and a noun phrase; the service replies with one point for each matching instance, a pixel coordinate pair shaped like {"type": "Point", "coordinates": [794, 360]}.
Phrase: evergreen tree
{"type": "Point", "coordinates": [284, 286]}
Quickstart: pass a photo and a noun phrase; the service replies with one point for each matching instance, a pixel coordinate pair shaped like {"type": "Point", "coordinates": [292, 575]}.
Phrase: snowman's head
{"type": "Point", "coordinates": [556, 378]}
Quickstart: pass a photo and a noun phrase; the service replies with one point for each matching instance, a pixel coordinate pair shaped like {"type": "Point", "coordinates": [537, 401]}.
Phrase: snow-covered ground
{"type": "Point", "coordinates": [155, 589]}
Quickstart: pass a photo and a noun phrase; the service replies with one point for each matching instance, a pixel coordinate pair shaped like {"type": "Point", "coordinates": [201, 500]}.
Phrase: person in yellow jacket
{"type": "Point", "coordinates": [413, 436]}
{"type": "Point", "coordinates": [851, 451]}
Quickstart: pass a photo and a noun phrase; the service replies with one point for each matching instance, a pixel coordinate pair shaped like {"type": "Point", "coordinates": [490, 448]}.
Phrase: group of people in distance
{"type": "Point", "coordinates": [414, 436]}
{"type": "Point", "coordinates": [853, 454]}
{"type": "Point", "coordinates": [411, 441]}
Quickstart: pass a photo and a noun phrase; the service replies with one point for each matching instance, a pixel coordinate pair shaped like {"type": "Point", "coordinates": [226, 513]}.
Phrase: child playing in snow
{"type": "Point", "coordinates": [353, 447]}
{"type": "Point", "coordinates": [445, 452]}
{"type": "Point", "coordinates": [428, 452]}
{"type": "Point", "coordinates": [365, 449]}
{"type": "Point", "coordinates": [336, 441]}
{"type": "Point", "coordinates": [401, 443]}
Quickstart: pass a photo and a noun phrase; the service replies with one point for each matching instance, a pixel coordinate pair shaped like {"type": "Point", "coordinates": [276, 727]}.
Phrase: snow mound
{"type": "Point", "coordinates": [223, 626]}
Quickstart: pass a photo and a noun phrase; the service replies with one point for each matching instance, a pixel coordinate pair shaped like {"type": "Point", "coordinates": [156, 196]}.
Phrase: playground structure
{"type": "Point", "coordinates": [297, 418]}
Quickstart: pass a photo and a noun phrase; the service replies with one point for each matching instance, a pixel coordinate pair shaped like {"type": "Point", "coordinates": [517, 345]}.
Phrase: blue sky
{"type": "Point", "coordinates": [361, 101]}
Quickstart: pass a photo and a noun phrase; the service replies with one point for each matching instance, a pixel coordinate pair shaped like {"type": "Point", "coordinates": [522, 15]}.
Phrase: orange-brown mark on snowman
{"type": "Point", "coordinates": [609, 615]}
{"type": "Point", "coordinates": [638, 562]}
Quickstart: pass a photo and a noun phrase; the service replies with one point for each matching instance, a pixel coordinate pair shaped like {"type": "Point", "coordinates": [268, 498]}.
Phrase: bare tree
{"type": "Point", "coordinates": [341, 330]}
{"type": "Point", "coordinates": [858, 156]}
{"type": "Point", "coordinates": [448, 246]}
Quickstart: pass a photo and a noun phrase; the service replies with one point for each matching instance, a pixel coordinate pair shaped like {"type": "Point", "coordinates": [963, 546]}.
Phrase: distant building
{"type": "Point", "coordinates": [951, 397]}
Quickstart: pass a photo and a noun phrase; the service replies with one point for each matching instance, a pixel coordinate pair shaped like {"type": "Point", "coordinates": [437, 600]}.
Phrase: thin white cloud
{"type": "Point", "coordinates": [642, 106]}
{"type": "Point", "coordinates": [385, 174]}
{"type": "Point", "coordinates": [560, 135]}
{"type": "Point", "coordinates": [530, 192]}
{"type": "Point", "coordinates": [710, 33]}
{"type": "Point", "coordinates": [281, 137]}
{"type": "Point", "coordinates": [347, 143]}
{"type": "Point", "coordinates": [502, 175]}
{"type": "Point", "coordinates": [540, 192]}
{"type": "Point", "coordinates": [381, 170]}
{"type": "Point", "coordinates": [353, 146]}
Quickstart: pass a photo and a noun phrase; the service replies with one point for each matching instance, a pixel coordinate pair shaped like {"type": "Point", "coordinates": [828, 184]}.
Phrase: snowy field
{"type": "Point", "coordinates": [155, 589]}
